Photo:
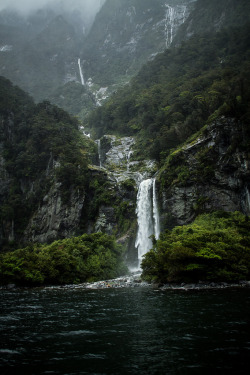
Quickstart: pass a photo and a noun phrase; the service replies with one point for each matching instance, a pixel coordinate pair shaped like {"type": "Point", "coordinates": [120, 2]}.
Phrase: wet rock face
{"type": "Point", "coordinates": [116, 152]}
{"type": "Point", "coordinates": [106, 221]}
{"type": "Point", "coordinates": [55, 218]}
{"type": "Point", "coordinates": [217, 176]}
{"type": "Point", "coordinates": [116, 156]}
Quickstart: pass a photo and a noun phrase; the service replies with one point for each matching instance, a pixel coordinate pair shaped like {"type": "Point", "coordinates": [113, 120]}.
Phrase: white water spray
{"type": "Point", "coordinates": [81, 73]}
{"type": "Point", "coordinates": [147, 217]}
{"type": "Point", "coordinates": [156, 212]}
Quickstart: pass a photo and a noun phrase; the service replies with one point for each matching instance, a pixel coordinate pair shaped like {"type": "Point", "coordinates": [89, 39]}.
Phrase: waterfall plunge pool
{"type": "Point", "coordinates": [124, 331]}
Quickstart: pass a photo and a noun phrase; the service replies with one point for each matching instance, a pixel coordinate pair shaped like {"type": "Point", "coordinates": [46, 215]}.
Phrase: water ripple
{"type": "Point", "coordinates": [124, 331]}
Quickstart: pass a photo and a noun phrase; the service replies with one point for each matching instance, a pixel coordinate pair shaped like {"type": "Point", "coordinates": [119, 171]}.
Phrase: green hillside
{"type": "Point", "coordinates": [180, 91]}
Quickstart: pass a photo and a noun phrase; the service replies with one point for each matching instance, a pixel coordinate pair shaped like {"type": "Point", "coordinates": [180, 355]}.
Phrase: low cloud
{"type": "Point", "coordinates": [25, 7]}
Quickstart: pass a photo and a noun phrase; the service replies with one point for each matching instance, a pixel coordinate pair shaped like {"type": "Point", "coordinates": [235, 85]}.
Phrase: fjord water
{"type": "Point", "coordinates": [124, 331]}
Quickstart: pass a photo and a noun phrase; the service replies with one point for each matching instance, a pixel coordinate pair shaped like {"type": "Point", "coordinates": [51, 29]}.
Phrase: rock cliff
{"type": "Point", "coordinates": [210, 173]}
{"type": "Point", "coordinates": [55, 218]}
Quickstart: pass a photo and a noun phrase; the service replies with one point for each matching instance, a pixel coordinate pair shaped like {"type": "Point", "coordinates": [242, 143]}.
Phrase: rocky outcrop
{"type": "Point", "coordinates": [55, 217]}
{"type": "Point", "coordinates": [132, 33]}
{"type": "Point", "coordinates": [116, 152]}
{"type": "Point", "coordinates": [211, 173]}
{"type": "Point", "coordinates": [117, 156]}
{"type": "Point", "coordinates": [212, 16]}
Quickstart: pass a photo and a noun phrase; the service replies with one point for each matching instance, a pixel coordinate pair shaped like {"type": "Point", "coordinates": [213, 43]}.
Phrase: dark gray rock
{"type": "Point", "coordinates": [226, 188]}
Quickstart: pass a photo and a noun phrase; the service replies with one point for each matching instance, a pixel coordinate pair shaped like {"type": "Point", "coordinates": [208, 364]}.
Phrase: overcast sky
{"type": "Point", "coordinates": [26, 6]}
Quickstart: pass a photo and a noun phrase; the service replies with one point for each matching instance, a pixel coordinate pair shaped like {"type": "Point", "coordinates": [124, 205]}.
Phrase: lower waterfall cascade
{"type": "Point", "coordinates": [114, 156]}
{"type": "Point", "coordinates": [156, 216]}
{"type": "Point", "coordinates": [147, 217]}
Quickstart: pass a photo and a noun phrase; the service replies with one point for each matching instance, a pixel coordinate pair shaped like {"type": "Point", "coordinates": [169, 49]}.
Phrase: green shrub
{"type": "Point", "coordinates": [215, 247]}
{"type": "Point", "coordinates": [90, 257]}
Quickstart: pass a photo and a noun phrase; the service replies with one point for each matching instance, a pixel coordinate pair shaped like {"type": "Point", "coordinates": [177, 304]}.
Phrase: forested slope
{"type": "Point", "coordinates": [180, 91]}
{"type": "Point", "coordinates": [41, 146]}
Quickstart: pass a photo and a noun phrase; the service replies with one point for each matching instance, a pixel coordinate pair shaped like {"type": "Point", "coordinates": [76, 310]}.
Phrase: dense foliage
{"type": "Point", "coordinates": [182, 89]}
{"type": "Point", "coordinates": [214, 247]}
{"type": "Point", "coordinates": [90, 257]}
{"type": "Point", "coordinates": [40, 144]}
{"type": "Point", "coordinates": [74, 98]}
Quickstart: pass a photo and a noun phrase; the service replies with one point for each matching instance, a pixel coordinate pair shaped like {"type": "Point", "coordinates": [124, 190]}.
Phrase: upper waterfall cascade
{"type": "Point", "coordinates": [147, 217]}
{"type": "Point", "coordinates": [175, 16]}
{"type": "Point", "coordinates": [81, 72]}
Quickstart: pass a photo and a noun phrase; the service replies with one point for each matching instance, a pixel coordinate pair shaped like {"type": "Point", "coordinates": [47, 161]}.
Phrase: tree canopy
{"type": "Point", "coordinates": [90, 257]}
{"type": "Point", "coordinates": [214, 247]}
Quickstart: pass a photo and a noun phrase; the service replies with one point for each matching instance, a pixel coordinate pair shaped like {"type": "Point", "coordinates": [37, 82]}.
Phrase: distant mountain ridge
{"type": "Point", "coordinates": [124, 35]}
{"type": "Point", "coordinates": [45, 48]}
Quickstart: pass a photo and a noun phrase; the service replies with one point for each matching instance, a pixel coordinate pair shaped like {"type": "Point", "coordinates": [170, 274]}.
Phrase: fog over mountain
{"type": "Point", "coordinates": [26, 7]}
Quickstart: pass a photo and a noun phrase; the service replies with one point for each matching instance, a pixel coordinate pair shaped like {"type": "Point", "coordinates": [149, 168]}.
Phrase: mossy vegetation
{"type": "Point", "coordinates": [215, 247]}
{"type": "Point", "coordinates": [90, 257]}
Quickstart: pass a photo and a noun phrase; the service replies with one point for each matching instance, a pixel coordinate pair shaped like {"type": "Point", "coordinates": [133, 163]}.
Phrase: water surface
{"type": "Point", "coordinates": [124, 331]}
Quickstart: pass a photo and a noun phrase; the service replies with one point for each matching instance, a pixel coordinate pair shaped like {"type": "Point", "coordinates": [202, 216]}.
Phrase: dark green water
{"type": "Point", "coordinates": [124, 331]}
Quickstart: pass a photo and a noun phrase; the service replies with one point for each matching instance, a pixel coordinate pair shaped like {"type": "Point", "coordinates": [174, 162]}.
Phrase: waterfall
{"type": "Point", "coordinates": [81, 73]}
{"type": "Point", "coordinates": [156, 212]}
{"type": "Point", "coordinates": [147, 217]}
{"type": "Point", "coordinates": [169, 25]}
{"type": "Point", "coordinates": [98, 141]}
{"type": "Point", "coordinates": [175, 16]}
{"type": "Point", "coordinates": [128, 159]}
{"type": "Point", "coordinates": [144, 218]}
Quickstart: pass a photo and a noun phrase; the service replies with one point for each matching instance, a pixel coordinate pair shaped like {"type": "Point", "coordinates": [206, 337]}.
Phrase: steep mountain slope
{"type": "Point", "coordinates": [42, 60]}
{"type": "Point", "coordinates": [41, 53]}
{"type": "Point", "coordinates": [41, 151]}
{"type": "Point", "coordinates": [51, 185]}
{"type": "Point", "coordinates": [202, 84]}
{"type": "Point", "coordinates": [212, 16]}
{"type": "Point", "coordinates": [176, 94]}
{"type": "Point", "coordinates": [126, 34]}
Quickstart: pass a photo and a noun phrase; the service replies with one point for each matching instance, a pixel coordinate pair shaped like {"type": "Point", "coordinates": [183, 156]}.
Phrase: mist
{"type": "Point", "coordinates": [25, 7]}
